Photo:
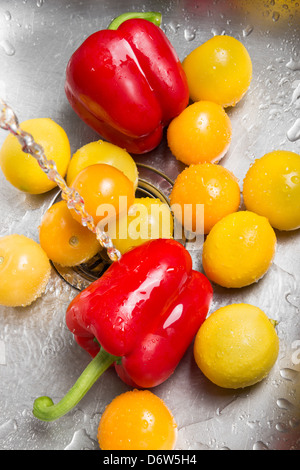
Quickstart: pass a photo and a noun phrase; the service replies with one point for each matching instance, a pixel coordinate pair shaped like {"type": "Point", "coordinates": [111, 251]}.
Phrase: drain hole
{"type": "Point", "coordinates": [81, 276]}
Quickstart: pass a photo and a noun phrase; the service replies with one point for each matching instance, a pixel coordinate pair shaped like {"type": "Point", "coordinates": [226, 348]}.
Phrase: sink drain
{"type": "Point", "coordinates": [152, 183]}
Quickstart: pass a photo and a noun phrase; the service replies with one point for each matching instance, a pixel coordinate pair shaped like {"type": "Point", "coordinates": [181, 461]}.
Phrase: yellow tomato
{"type": "Point", "coordinates": [64, 240]}
{"type": "Point", "coordinates": [102, 152]}
{"type": "Point", "coordinates": [106, 192]}
{"type": "Point", "coordinates": [24, 270]}
{"type": "Point", "coordinates": [219, 70]}
{"type": "Point", "coordinates": [21, 169]}
{"type": "Point", "coordinates": [137, 420]}
{"type": "Point", "coordinates": [236, 346]}
{"type": "Point", "coordinates": [147, 219]}
{"type": "Point", "coordinates": [272, 188]}
{"type": "Point", "coordinates": [211, 188]}
{"type": "Point", "coordinates": [200, 134]}
{"type": "Point", "coordinates": [239, 249]}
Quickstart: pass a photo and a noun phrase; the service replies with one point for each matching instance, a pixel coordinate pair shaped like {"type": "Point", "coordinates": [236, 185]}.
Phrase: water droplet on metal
{"type": "Point", "coordinates": [281, 427]}
{"type": "Point", "coordinates": [284, 404]}
{"type": "Point", "coordinates": [289, 374]}
{"type": "Point", "coordinates": [248, 30]}
{"type": "Point", "coordinates": [293, 133]}
{"type": "Point", "coordinates": [8, 427]}
{"type": "Point", "coordinates": [275, 16]}
{"type": "Point", "coordinates": [259, 445]}
{"type": "Point", "coordinates": [7, 15]}
{"type": "Point", "coordinates": [7, 47]}
{"type": "Point", "coordinates": [293, 65]}
{"type": "Point", "coordinates": [2, 353]}
{"type": "Point", "coordinates": [81, 441]}
{"type": "Point", "coordinates": [189, 34]}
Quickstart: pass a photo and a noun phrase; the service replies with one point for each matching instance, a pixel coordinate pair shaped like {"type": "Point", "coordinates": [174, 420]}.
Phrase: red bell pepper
{"type": "Point", "coordinates": [127, 83]}
{"type": "Point", "coordinates": [143, 312]}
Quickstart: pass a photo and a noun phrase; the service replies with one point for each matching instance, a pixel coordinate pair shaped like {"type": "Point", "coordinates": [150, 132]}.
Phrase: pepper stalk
{"type": "Point", "coordinates": [152, 16]}
{"type": "Point", "coordinates": [44, 408]}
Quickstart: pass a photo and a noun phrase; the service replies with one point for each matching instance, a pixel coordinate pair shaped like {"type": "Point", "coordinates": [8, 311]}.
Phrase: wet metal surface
{"type": "Point", "coordinates": [38, 355]}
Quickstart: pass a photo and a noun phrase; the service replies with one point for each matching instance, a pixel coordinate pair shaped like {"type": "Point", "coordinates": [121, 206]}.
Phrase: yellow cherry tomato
{"type": "Point", "coordinates": [24, 270]}
{"type": "Point", "coordinates": [106, 192]}
{"type": "Point", "coordinates": [236, 346]}
{"type": "Point", "coordinates": [239, 249]}
{"type": "Point", "coordinates": [272, 188]}
{"type": "Point", "coordinates": [219, 70]}
{"type": "Point", "coordinates": [137, 420]}
{"type": "Point", "coordinates": [64, 240]}
{"type": "Point", "coordinates": [200, 134]}
{"type": "Point", "coordinates": [147, 219]}
{"type": "Point", "coordinates": [21, 169]}
{"type": "Point", "coordinates": [211, 188]}
{"type": "Point", "coordinates": [102, 152]}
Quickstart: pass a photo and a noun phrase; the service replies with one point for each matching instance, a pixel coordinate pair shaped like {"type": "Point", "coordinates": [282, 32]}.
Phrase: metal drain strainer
{"type": "Point", "coordinates": [152, 183]}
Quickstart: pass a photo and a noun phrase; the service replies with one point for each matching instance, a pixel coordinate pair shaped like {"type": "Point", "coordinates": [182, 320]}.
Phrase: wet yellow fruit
{"type": "Point", "coordinates": [200, 134]}
{"type": "Point", "coordinates": [208, 187]}
{"type": "Point", "coordinates": [24, 270]}
{"type": "Point", "coordinates": [147, 218]}
{"type": "Point", "coordinates": [236, 346]}
{"type": "Point", "coordinates": [272, 189]}
{"type": "Point", "coordinates": [64, 240]}
{"type": "Point", "coordinates": [137, 420]}
{"type": "Point", "coordinates": [21, 169]}
{"type": "Point", "coordinates": [239, 249]}
{"type": "Point", "coordinates": [219, 70]}
{"type": "Point", "coordinates": [106, 192]}
{"type": "Point", "coordinates": [102, 152]}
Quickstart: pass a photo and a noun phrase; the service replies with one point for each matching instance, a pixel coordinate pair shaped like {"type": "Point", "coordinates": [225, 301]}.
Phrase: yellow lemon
{"type": "Point", "coordinates": [24, 270]}
{"type": "Point", "coordinates": [236, 346]}
{"type": "Point", "coordinates": [272, 188]}
{"type": "Point", "coordinates": [147, 218]}
{"type": "Point", "coordinates": [239, 249]}
{"type": "Point", "coordinates": [21, 169]}
{"type": "Point", "coordinates": [137, 420]}
{"type": "Point", "coordinates": [219, 70]}
{"type": "Point", "coordinates": [102, 152]}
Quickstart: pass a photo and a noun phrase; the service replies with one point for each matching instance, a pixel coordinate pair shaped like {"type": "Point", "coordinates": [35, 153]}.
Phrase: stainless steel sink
{"type": "Point", "coordinates": [38, 355]}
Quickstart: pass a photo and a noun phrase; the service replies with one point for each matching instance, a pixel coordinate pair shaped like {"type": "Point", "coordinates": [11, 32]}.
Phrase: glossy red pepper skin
{"type": "Point", "coordinates": [146, 309]}
{"type": "Point", "coordinates": [156, 357]}
{"type": "Point", "coordinates": [127, 84]}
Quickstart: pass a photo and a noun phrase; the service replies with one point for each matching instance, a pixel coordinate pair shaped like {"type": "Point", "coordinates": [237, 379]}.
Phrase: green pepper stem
{"type": "Point", "coordinates": [44, 408]}
{"type": "Point", "coordinates": [153, 16]}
